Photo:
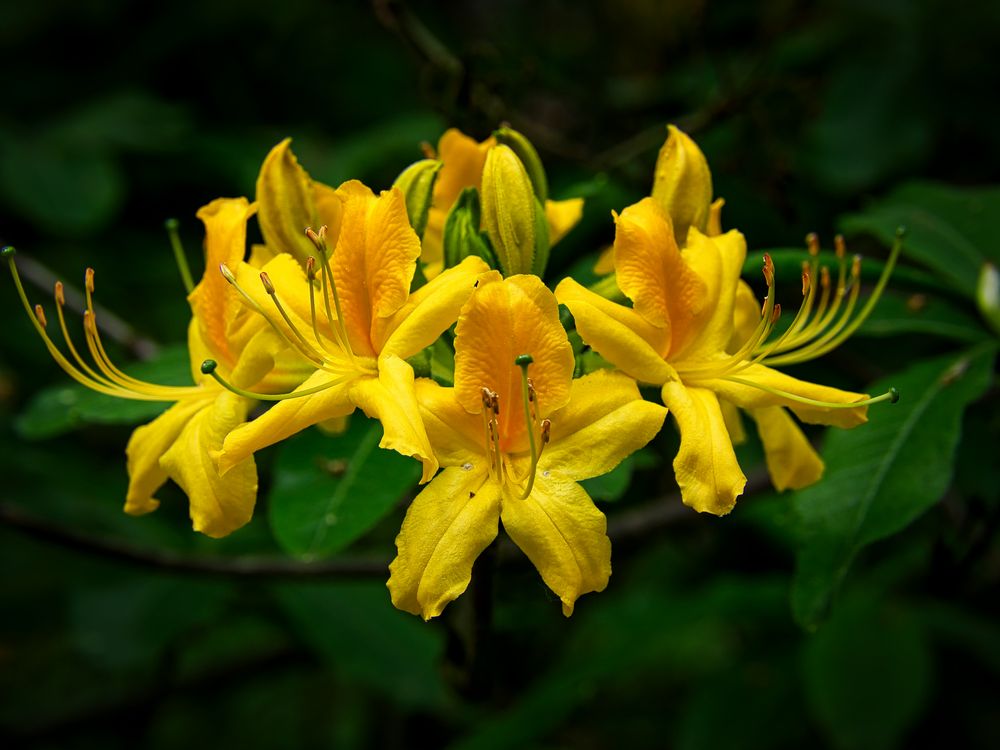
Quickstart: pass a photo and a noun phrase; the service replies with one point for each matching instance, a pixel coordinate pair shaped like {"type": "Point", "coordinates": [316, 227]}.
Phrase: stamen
{"type": "Point", "coordinates": [319, 241]}
{"type": "Point", "coordinates": [892, 395]}
{"type": "Point", "coordinates": [305, 345]}
{"type": "Point", "coordinates": [812, 242]}
{"type": "Point", "coordinates": [209, 367]}
{"type": "Point", "coordinates": [523, 361]}
{"type": "Point", "coordinates": [171, 226]}
{"type": "Point", "coordinates": [40, 314]}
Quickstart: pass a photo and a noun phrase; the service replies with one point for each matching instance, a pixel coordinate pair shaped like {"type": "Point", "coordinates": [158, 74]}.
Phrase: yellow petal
{"type": "Point", "coordinates": [286, 418]}
{"type": "Point", "coordinates": [682, 183]}
{"type": "Point", "coordinates": [605, 263]}
{"type": "Point", "coordinates": [562, 216]}
{"type": "Point", "coordinates": [145, 448]}
{"type": "Point", "coordinates": [463, 159]}
{"type": "Point", "coordinates": [391, 399]}
{"type": "Point", "coordinates": [502, 320]}
{"type": "Point", "coordinates": [213, 302]}
{"type": "Point", "coordinates": [374, 261]}
{"type": "Point", "coordinates": [734, 422]}
{"type": "Point", "coordinates": [706, 468]}
{"type": "Point", "coordinates": [617, 333]}
{"type": "Point", "coordinates": [457, 437]}
{"type": "Point", "coordinates": [218, 505]}
{"type": "Point", "coordinates": [652, 272]}
{"type": "Point", "coordinates": [563, 534]}
{"type": "Point", "coordinates": [446, 527]}
{"type": "Point", "coordinates": [747, 397]}
{"type": "Point", "coordinates": [287, 207]}
{"type": "Point", "coordinates": [429, 311]}
{"type": "Point", "coordinates": [718, 261]}
{"type": "Point", "coordinates": [604, 421]}
{"type": "Point", "coordinates": [791, 459]}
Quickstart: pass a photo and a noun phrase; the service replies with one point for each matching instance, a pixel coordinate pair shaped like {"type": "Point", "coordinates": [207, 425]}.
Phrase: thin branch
{"type": "Point", "coordinates": [40, 276]}
{"type": "Point", "coordinates": [248, 567]}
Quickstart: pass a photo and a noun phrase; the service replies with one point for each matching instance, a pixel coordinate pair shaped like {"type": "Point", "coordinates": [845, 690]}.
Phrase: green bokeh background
{"type": "Point", "coordinates": [117, 115]}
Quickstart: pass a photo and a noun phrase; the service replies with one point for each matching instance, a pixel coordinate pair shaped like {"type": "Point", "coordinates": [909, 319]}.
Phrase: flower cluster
{"type": "Point", "coordinates": [326, 315]}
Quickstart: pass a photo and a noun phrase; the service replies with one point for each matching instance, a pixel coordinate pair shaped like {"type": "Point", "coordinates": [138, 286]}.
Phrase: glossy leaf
{"type": "Point", "coordinates": [328, 491]}
{"type": "Point", "coordinates": [882, 475]}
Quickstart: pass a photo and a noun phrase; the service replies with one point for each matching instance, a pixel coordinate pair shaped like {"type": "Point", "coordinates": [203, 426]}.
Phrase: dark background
{"type": "Point", "coordinates": [117, 115]}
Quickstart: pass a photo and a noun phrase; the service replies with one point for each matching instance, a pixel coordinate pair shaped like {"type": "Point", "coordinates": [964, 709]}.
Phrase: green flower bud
{"type": "Point", "coordinates": [529, 158]}
{"type": "Point", "coordinates": [509, 210]}
{"type": "Point", "coordinates": [462, 236]}
{"type": "Point", "coordinates": [988, 296]}
{"type": "Point", "coordinates": [417, 185]}
{"type": "Point", "coordinates": [682, 184]}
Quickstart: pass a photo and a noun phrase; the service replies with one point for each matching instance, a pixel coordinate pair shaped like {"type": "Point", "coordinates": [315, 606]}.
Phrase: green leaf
{"type": "Point", "coordinates": [883, 474]}
{"type": "Point", "coordinates": [950, 230]}
{"type": "Point", "coordinates": [867, 674]}
{"type": "Point", "coordinates": [354, 626]}
{"type": "Point", "coordinates": [328, 491]}
{"type": "Point", "coordinates": [611, 486]}
{"type": "Point", "coordinates": [55, 411]}
{"type": "Point", "coordinates": [919, 313]}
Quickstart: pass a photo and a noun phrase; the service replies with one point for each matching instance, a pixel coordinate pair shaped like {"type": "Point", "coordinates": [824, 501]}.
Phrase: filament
{"type": "Point", "coordinates": [891, 395]}
{"type": "Point", "coordinates": [209, 367]}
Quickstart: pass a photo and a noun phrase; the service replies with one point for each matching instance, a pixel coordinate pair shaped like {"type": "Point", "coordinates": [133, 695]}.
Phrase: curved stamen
{"type": "Point", "coordinates": [209, 367]}
{"type": "Point", "coordinates": [891, 395]}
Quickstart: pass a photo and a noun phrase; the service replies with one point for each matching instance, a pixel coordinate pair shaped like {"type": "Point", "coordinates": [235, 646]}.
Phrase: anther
{"type": "Point", "coordinates": [776, 313]}
{"type": "Point", "coordinates": [768, 270]}
{"type": "Point", "coordinates": [311, 269]}
{"type": "Point", "coordinates": [227, 274]}
{"type": "Point", "coordinates": [824, 277]}
{"type": "Point", "coordinates": [60, 294]}
{"type": "Point", "coordinates": [428, 150]}
{"type": "Point", "coordinates": [266, 281]}
{"type": "Point", "coordinates": [88, 278]}
{"type": "Point", "coordinates": [856, 267]}
{"type": "Point", "coordinates": [812, 241]}
{"type": "Point", "coordinates": [40, 314]}
{"type": "Point", "coordinates": [546, 431]}
{"type": "Point", "coordinates": [806, 278]}
{"type": "Point", "coordinates": [840, 246]}
{"type": "Point", "coordinates": [495, 403]}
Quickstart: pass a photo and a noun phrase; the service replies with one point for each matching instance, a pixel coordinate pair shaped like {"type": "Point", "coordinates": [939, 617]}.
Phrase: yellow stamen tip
{"type": "Point", "coordinates": [840, 246]}
{"type": "Point", "coordinates": [226, 273]}
{"type": "Point", "coordinates": [311, 268]}
{"type": "Point", "coordinates": [812, 240]}
{"type": "Point", "coordinates": [60, 293]}
{"type": "Point", "coordinates": [40, 314]}
{"type": "Point", "coordinates": [88, 278]}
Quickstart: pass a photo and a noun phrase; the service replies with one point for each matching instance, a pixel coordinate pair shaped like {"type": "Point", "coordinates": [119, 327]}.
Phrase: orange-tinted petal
{"type": "Point", "coordinates": [502, 320]}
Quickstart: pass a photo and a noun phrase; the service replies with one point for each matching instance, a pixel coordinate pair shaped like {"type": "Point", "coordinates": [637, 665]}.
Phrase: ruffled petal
{"type": "Point", "coordinates": [218, 505]}
{"type": "Point", "coordinates": [563, 534]}
{"type": "Point", "coordinates": [561, 217]}
{"type": "Point", "coordinates": [502, 320]}
{"type": "Point", "coordinates": [213, 301]}
{"type": "Point", "coordinates": [605, 421]}
{"type": "Point", "coordinates": [748, 397]}
{"type": "Point", "coordinates": [617, 333]}
{"type": "Point", "coordinates": [391, 398]}
{"type": "Point", "coordinates": [429, 311]}
{"type": "Point", "coordinates": [707, 472]}
{"type": "Point", "coordinates": [374, 261]}
{"type": "Point", "coordinates": [653, 274]}
{"type": "Point", "coordinates": [145, 448]}
{"type": "Point", "coordinates": [446, 528]}
{"type": "Point", "coordinates": [288, 417]}
{"type": "Point", "coordinates": [791, 460]}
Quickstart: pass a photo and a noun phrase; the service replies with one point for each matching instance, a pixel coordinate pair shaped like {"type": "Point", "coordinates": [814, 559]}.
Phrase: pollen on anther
{"type": "Point", "coordinates": [40, 314]}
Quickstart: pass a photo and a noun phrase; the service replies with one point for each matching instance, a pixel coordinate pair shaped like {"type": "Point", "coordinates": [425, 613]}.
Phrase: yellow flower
{"type": "Point", "coordinates": [367, 325]}
{"type": "Point", "coordinates": [463, 160]}
{"type": "Point", "coordinates": [182, 443]}
{"type": "Point", "coordinates": [679, 334]}
{"type": "Point", "coordinates": [516, 434]}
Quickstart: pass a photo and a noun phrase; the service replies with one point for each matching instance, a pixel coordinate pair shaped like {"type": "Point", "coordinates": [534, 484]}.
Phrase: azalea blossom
{"type": "Point", "coordinates": [515, 435]}
{"type": "Point", "coordinates": [351, 317]}
{"type": "Point", "coordinates": [679, 334]}
{"type": "Point", "coordinates": [183, 442]}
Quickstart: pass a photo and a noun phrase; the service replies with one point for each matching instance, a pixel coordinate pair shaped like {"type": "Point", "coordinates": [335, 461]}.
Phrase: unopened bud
{"type": "Point", "coordinates": [416, 182]}
{"type": "Point", "coordinates": [682, 184]}
{"type": "Point", "coordinates": [988, 295]}
{"type": "Point", "coordinates": [509, 210]}
{"type": "Point", "coordinates": [526, 152]}
{"type": "Point", "coordinates": [462, 235]}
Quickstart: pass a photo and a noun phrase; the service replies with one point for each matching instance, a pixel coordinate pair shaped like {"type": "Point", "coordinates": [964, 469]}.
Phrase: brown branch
{"type": "Point", "coordinates": [249, 566]}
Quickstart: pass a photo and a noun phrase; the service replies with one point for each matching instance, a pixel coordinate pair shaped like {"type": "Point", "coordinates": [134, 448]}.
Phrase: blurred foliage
{"type": "Point", "coordinates": [860, 613]}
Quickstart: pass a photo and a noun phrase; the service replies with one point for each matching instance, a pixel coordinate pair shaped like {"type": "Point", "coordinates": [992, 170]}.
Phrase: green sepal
{"type": "Point", "coordinates": [417, 185]}
{"type": "Point", "coordinates": [462, 236]}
